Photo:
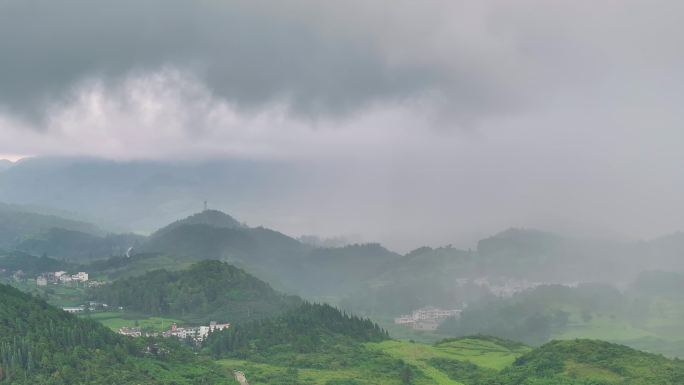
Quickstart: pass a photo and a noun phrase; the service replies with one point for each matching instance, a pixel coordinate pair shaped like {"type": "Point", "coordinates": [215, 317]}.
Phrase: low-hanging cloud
{"type": "Point", "coordinates": [575, 105]}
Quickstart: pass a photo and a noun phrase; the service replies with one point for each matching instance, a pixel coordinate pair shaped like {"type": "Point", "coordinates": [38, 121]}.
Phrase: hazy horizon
{"type": "Point", "coordinates": [408, 124]}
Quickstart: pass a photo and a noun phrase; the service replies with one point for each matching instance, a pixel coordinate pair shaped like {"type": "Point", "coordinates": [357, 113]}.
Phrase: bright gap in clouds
{"type": "Point", "coordinates": [12, 157]}
{"type": "Point", "coordinates": [169, 114]}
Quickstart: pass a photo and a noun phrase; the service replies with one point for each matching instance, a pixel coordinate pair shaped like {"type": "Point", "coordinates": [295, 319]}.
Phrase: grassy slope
{"type": "Point", "coordinates": [593, 362]}
{"type": "Point", "coordinates": [662, 332]}
{"type": "Point", "coordinates": [484, 352]}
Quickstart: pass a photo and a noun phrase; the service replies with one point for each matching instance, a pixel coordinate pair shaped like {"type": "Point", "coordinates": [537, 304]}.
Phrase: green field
{"type": "Point", "coordinates": [484, 352]}
{"type": "Point", "coordinates": [116, 320]}
{"type": "Point", "coordinates": [481, 352]}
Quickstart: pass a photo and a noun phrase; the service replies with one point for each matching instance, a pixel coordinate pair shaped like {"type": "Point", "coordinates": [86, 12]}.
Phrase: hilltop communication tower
{"type": "Point", "coordinates": [205, 205]}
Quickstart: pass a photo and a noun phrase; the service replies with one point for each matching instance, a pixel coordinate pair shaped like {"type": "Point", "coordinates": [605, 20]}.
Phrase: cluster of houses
{"type": "Point", "coordinates": [195, 333]}
{"type": "Point", "coordinates": [61, 277]}
{"type": "Point", "coordinates": [427, 318]}
{"type": "Point", "coordinates": [91, 306]}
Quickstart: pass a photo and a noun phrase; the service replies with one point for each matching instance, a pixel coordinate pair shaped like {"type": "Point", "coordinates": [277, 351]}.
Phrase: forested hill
{"type": "Point", "coordinates": [591, 362]}
{"type": "Point", "coordinates": [205, 241]}
{"type": "Point", "coordinates": [306, 329]}
{"type": "Point", "coordinates": [208, 290]}
{"type": "Point", "coordinates": [212, 218]}
{"type": "Point", "coordinates": [40, 344]}
{"type": "Point", "coordinates": [38, 341]}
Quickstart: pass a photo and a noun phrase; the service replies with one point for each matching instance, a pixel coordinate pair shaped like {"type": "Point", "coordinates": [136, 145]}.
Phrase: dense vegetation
{"type": "Point", "coordinates": [306, 329]}
{"type": "Point", "coordinates": [208, 290]}
{"type": "Point", "coordinates": [43, 345]}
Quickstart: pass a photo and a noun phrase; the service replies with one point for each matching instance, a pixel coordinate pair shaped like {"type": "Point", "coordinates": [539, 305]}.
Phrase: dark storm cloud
{"type": "Point", "coordinates": [318, 58]}
{"type": "Point", "coordinates": [469, 59]}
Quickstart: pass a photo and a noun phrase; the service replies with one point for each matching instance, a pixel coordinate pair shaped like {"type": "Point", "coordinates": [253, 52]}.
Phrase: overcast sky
{"type": "Point", "coordinates": [439, 120]}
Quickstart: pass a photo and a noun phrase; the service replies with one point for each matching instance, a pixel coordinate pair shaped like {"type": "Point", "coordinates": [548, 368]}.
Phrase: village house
{"type": "Point", "coordinates": [195, 333]}
{"type": "Point", "coordinates": [41, 281]}
{"type": "Point", "coordinates": [130, 332]}
{"type": "Point", "coordinates": [81, 276]}
{"type": "Point", "coordinates": [58, 274]}
{"type": "Point", "coordinates": [74, 309]}
{"type": "Point", "coordinates": [64, 278]}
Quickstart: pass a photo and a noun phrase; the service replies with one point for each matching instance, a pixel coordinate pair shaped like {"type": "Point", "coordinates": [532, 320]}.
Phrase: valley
{"type": "Point", "coordinates": [467, 314]}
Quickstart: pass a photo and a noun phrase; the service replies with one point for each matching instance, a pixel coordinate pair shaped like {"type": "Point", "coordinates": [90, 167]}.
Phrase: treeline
{"type": "Point", "coordinates": [306, 329]}
{"type": "Point", "coordinates": [208, 290]}
{"type": "Point", "coordinates": [31, 332]}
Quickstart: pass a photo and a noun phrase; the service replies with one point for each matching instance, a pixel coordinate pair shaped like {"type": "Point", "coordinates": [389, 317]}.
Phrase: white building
{"type": "Point", "coordinates": [64, 278]}
{"type": "Point", "coordinates": [41, 281]}
{"type": "Point", "coordinates": [81, 276]}
{"type": "Point", "coordinates": [433, 313]}
{"type": "Point", "coordinates": [131, 332]}
{"type": "Point", "coordinates": [196, 333]}
{"type": "Point", "coordinates": [73, 309]}
{"type": "Point", "coordinates": [427, 318]}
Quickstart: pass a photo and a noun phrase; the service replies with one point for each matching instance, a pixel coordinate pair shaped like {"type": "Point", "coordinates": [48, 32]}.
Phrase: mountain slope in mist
{"type": "Point", "coordinates": [18, 223]}
{"type": "Point", "coordinates": [141, 196]}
